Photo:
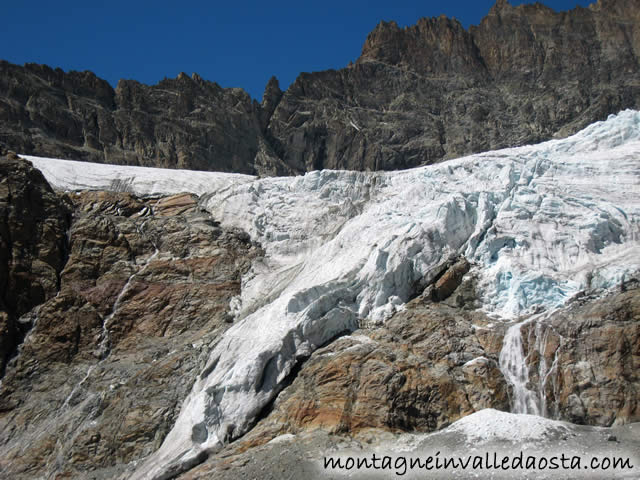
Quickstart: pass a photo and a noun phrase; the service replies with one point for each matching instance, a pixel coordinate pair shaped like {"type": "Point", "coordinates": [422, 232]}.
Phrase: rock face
{"type": "Point", "coordinates": [433, 90]}
{"type": "Point", "coordinates": [99, 379]}
{"type": "Point", "coordinates": [180, 123]}
{"type": "Point", "coordinates": [427, 367]}
{"type": "Point", "coordinates": [416, 95]}
{"type": "Point", "coordinates": [585, 360]}
{"type": "Point", "coordinates": [33, 247]}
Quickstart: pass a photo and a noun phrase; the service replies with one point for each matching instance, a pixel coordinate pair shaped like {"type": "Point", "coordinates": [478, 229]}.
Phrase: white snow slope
{"type": "Point", "coordinates": [539, 223]}
{"type": "Point", "coordinates": [142, 181]}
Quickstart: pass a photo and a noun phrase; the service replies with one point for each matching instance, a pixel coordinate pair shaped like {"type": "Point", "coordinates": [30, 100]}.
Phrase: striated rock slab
{"type": "Point", "coordinates": [101, 376]}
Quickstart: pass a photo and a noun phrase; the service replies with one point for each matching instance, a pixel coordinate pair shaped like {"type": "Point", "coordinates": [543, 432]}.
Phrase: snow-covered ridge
{"type": "Point", "coordinates": [539, 223]}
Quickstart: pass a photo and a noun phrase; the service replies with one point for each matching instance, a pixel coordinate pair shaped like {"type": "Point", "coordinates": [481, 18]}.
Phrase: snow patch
{"type": "Point", "coordinates": [478, 360]}
{"type": "Point", "coordinates": [141, 181]}
{"type": "Point", "coordinates": [491, 425]}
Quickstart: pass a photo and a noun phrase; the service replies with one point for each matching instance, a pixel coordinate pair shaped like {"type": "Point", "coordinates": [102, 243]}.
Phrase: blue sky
{"type": "Point", "coordinates": [237, 44]}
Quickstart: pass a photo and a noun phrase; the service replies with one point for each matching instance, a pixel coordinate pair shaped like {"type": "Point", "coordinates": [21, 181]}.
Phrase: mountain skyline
{"type": "Point", "coordinates": [225, 44]}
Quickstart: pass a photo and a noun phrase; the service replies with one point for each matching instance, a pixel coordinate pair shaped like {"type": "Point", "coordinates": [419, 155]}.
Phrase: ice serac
{"type": "Point", "coordinates": [538, 224]}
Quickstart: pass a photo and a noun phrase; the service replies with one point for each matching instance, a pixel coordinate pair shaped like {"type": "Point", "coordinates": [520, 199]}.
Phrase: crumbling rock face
{"type": "Point", "coordinates": [143, 297]}
{"type": "Point", "coordinates": [415, 96]}
{"type": "Point", "coordinates": [33, 226]}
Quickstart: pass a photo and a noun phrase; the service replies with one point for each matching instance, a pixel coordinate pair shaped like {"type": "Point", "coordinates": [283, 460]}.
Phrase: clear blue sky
{"type": "Point", "coordinates": [237, 44]}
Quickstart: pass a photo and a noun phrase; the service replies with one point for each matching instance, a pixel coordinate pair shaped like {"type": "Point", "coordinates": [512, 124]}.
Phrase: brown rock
{"type": "Point", "coordinates": [425, 369]}
{"type": "Point", "coordinates": [451, 280]}
{"type": "Point", "coordinates": [175, 205]}
{"type": "Point", "coordinates": [585, 360]}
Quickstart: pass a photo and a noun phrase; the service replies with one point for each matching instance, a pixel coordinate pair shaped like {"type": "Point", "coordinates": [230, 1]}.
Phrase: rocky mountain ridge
{"type": "Point", "coordinates": [415, 96]}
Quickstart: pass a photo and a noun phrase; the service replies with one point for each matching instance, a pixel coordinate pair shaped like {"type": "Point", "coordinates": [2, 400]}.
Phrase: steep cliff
{"type": "Point", "coordinates": [415, 96]}
{"type": "Point", "coordinates": [179, 123]}
{"type": "Point", "coordinates": [432, 91]}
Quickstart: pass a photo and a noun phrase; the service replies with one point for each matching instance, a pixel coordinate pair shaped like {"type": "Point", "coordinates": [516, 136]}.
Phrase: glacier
{"type": "Point", "coordinates": [343, 249]}
{"type": "Point", "coordinates": [141, 181]}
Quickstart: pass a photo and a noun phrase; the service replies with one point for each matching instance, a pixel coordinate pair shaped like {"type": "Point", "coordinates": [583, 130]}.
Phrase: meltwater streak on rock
{"type": "Point", "coordinates": [514, 368]}
{"type": "Point", "coordinates": [105, 344]}
{"type": "Point", "coordinates": [513, 365]}
{"type": "Point", "coordinates": [547, 373]}
{"type": "Point", "coordinates": [540, 223]}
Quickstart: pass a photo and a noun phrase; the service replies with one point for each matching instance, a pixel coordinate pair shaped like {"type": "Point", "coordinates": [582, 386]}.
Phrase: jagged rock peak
{"type": "Point", "coordinates": [271, 91]}
{"type": "Point", "coordinates": [500, 5]}
{"type": "Point", "coordinates": [183, 76]}
{"type": "Point", "coordinates": [270, 99]}
{"type": "Point", "coordinates": [433, 46]}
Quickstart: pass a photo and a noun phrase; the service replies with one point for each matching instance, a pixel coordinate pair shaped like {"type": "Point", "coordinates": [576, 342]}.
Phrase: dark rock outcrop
{"type": "Point", "coordinates": [33, 250]}
{"type": "Point", "coordinates": [179, 123]}
{"type": "Point", "coordinates": [415, 96]}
